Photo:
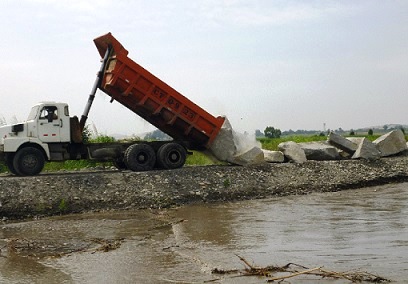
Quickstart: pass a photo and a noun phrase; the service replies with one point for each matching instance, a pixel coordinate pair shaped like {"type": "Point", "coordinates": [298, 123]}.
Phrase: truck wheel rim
{"type": "Point", "coordinates": [30, 161]}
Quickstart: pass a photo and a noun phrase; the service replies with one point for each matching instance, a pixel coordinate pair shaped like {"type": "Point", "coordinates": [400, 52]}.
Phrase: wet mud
{"type": "Point", "coordinates": [362, 229]}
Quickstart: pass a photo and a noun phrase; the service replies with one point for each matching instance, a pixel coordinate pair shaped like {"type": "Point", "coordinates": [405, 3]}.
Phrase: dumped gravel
{"type": "Point", "coordinates": [62, 193]}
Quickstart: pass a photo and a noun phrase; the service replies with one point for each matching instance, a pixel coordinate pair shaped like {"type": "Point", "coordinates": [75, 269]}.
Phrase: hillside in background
{"type": "Point", "coordinates": [379, 129]}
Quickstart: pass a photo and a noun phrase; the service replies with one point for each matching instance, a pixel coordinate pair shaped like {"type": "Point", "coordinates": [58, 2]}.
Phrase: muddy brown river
{"type": "Point", "coordinates": [364, 229]}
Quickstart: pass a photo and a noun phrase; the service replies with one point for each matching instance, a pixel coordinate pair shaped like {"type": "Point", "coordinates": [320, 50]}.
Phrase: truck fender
{"type": "Point", "coordinates": [13, 145]}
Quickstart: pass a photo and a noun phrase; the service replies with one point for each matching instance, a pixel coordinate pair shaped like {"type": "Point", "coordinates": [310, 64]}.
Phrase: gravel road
{"type": "Point", "coordinates": [98, 190]}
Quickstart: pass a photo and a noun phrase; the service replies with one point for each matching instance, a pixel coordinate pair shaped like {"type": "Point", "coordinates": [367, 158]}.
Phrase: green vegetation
{"type": "Point", "coordinates": [102, 139]}
{"type": "Point", "coordinates": [62, 207]}
{"type": "Point", "coordinates": [272, 132]}
{"type": "Point", "coordinates": [201, 159]}
{"type": "Point", "coordinates": [74, 165]}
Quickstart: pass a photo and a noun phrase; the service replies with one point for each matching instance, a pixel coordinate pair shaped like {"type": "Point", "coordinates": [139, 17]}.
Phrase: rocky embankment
{"type": "Point", "coordinates": [61, 193]}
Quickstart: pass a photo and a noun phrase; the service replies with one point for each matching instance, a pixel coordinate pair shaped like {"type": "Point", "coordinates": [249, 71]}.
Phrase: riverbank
{"type": "Point", "coordinates": [74, 192]}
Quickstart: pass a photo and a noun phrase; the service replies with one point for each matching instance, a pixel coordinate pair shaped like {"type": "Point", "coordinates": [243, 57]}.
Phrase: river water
{"type": "Point", "coordinates": [364, 229]}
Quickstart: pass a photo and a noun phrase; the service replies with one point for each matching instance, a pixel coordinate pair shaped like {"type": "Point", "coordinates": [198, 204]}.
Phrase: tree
{"type": "Point", "coordinates": [157, 135]}
{"type": "Point", "coordinates": [352, 133]}
{"type": "Point", "coordinates": [370, 132]}
{"type": "Point", "coordinates": [86, 134]}
{"type": "Point", "coordinates": [271, 132]}
{"type": "Point", "coordinates": [258, 133]}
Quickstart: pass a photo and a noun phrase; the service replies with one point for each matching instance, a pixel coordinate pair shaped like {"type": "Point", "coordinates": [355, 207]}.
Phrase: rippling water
{"type": "Point", "coordinates": [364, 229]}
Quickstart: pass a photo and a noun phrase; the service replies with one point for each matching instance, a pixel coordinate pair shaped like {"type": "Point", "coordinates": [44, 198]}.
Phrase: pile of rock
{"type": "Point", "coordinates": [338, 147]}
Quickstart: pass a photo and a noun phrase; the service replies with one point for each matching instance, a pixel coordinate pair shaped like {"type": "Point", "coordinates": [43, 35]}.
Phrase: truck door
{"type": "Point", "coordinates": [49, 125]}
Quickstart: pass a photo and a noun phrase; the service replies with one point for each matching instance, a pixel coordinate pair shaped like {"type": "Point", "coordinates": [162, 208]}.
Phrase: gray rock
{"type": "Point", "coordinates": [293, 151]}
{"type": "Point", "coordinates": [250, 157]}
{"type": "Point", "coordinates": [273, 156]}
{"type": "Point", "coordinates": [319, 151]}
{"type": "Point", "coordinates": [355, 140]}
{"type": "Point", "coordinates": [367, 150]}
{"type": "Point", "coordinates": [236, 148]}
{"type": "Point", "coordinates": [341, 143]}
{"type": "Point", "coordinates": [223, 146]}
{"type": "Point", "coordinates": [391, 143]}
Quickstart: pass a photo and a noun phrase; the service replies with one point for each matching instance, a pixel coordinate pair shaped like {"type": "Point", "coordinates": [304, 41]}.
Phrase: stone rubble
{"type": "Point", "coordinates": [241, 149]}
{"type": "Point", "coordinates": [391, 143]}
{"type": "Point", "coordinates": [342, 143]}
{"type": "Point", "coordinates": [273, 156]}
{"type": "Point", "coordinates": [339, 147]}
{"type": "Point", "coordinates": [320, 151]}
{"type": "Point", "coordinates": [293, 152]}
{"type": "Point", "coordinates": [366, 150]}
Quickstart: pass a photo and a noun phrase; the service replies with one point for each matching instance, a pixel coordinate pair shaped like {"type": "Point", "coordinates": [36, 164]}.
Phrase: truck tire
{"type": "Point", "coordinates": [120, 164]}
{"type": "Point", "coordinates": [140, 157]}
{"type": "Point", "coordinates": [28, 161]}
{"type": "Point", "coordinates": [171, 156]}
{"type": "Point", "coordinates": [9, 163]}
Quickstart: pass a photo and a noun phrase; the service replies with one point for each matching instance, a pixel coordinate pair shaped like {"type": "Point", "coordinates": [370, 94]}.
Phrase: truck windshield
{"type": "Point", "coordinates": [33, 113]}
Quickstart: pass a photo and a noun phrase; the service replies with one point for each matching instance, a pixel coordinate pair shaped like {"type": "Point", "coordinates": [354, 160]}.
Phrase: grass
{"type": "Point", "coordinates": [72, 165]}
{"type": "Point", "coordinates": [201, 159]}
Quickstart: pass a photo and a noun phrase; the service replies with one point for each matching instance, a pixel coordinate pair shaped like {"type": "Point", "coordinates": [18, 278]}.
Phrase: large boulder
{"type": "Point", "coordinates": [391, 143]}
{"type": "Point", "coordinates": [319, 151]}
{"type": "Point", "coordinates": [273, 156]}
{"type": "Point", "coordinates": [366, 150]}
{"type": "Point", "coordinates": [235, 147]}
{"type": "Point", "coordinates": [223, 146]}
{"type": "Point", "coordinates": [293, 151]}
{"type": "Point", "coordinates": [355, 140]}
{"type": "Point", "coordinates": [342, 143]}
{"type": "Point", "coordinates": [249, 157]}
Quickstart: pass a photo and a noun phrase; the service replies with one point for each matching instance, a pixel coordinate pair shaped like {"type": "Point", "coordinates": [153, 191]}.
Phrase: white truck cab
{"type": "Point", "coordinates": [27, 143]}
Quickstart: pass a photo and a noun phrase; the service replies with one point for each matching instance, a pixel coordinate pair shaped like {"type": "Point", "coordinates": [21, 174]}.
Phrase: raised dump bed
{"type": "Point", "coordinates": [146, 95]}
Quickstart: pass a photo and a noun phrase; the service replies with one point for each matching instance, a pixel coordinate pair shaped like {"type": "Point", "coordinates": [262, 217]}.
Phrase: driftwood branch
{"type": "Point", "coordinates": [252, 270]}
{"type": "Point", "coordinates": [293, 274]}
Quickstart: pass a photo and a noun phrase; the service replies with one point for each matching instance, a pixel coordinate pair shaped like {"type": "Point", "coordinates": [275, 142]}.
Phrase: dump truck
{"type": "Point", "coordinates": [51, 134]}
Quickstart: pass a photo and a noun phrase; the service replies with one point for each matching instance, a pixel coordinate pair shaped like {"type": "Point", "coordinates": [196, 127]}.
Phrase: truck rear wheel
{"type": "Point", "coordinates": [140, 157]}
{"type": "Point", "coordinates": [171, 156]}
{"type": "Point", "coordinates": [119, 164]}
{"type": "Point", "coordinates": [28, 161]}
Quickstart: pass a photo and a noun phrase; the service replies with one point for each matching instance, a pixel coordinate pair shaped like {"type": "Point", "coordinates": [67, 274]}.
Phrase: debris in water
{"type": "Point", "coordinates": [291, 270]}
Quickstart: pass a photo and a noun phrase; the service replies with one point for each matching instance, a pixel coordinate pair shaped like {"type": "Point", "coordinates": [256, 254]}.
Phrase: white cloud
{"type": "Point", "coordinates": [76, 5]}
{"type": "Point", "coordinates": [261, 13]}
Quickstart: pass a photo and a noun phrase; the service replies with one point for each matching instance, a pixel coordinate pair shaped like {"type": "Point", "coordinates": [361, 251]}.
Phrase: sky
{"type": "Point", "coordinates": [312, 65]}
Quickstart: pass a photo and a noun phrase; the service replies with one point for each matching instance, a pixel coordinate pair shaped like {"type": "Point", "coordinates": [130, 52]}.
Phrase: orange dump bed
{"type": "Point", "coordinates": [146, 95]}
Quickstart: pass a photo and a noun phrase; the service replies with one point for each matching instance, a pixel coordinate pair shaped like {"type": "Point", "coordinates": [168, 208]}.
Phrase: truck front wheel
{"type": "Point", "coordinates": [171, 156]}
{"type": "Point", "coordinates": [140, 157]}
{"type": "Point", "coordinates": [28, 161]}
{"type": "Point", "coordinates": [9, 163]}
